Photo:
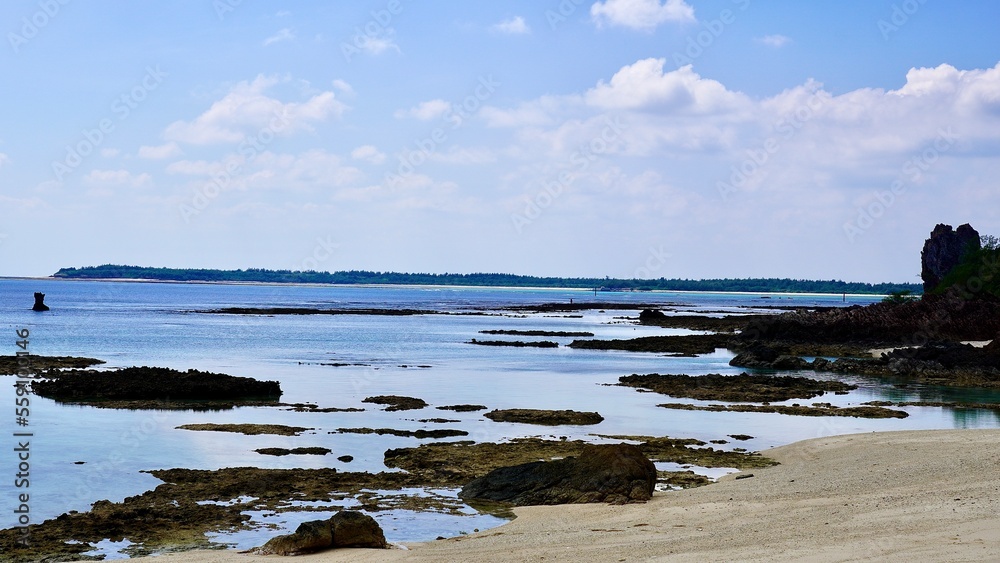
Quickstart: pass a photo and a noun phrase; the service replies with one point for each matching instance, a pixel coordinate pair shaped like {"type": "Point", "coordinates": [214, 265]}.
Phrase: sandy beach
{"type": "Point", "coordinates": [917, 495]}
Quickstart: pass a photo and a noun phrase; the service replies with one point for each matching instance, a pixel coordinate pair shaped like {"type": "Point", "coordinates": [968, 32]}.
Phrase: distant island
{"type": "Point", "coordinates": [362, 277]}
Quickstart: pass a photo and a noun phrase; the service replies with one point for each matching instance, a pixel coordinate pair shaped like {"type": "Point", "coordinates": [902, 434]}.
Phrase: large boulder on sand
{"type": "Point", "coordinates": [617, 474]}
{"type": "Point", "coordinates": [944, 250]}
{"type": "Point", "coordinates": [347, 528]}
{"type": "Point", "coordinates": [351, 528]}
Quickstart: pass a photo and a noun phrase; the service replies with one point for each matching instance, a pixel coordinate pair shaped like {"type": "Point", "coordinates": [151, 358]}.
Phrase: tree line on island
{"type": "Point", "coordinates": [364, 277]}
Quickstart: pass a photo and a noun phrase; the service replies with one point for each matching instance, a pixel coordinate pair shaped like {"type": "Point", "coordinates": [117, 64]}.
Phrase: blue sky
{"type": "Point", "coordinates": [627, 138]}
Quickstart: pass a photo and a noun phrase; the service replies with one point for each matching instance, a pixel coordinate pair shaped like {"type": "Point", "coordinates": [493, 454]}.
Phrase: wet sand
{"type": "Point", "coordinates": [916, 495]}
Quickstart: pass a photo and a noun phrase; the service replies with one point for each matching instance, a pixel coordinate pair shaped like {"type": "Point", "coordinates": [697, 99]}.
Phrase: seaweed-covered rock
{"type": "Point", "coordinates": [544, 417]}
{"type": "Point", "coordinates": [151, 383]}
{"type": "Point", "coordinates": [353, 529]}
{"type": "Point", "coordinates": [397, 402]}
{"type": "Point", "coordinates": [309, 537]}
{"type": "Point", "coordinates": [944, 250]}
{"type": "Point", "coordinates": [742, 387]}
{"type": "Point", "coordinates": [617, 474]}
{"type": "Point", "coordinates": [347, 528]}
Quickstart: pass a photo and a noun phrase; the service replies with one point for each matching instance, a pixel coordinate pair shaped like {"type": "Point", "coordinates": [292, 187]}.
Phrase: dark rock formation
{"type": "Point", "coordinates": [743, 387]}
{"type": "Point", "coordinates": [940, 317]}
{"type": "Point", "coordinates": [544, 417]}
{"type": "Point", "coordinates": [462, 408]}
{"type": "Point", "coordinates": [397, 402]}
{"type": "Point", "coordinates": [354, 529]}
{"type": "Point", "coordinates": [616, 474]}
{"type": "Point", "coordinates": [688, 345]}
{"type": "Point", "coordinates": [293, 451]}
{"type": "Point", "coordinates": [945, 250]}
{"type": "Point", "coordinates": [151, 383]}
{"type": "Point", "coordinates": [651, 316]}
{"type": "Point", "coordinates": [40, 303]}
{"type": "Point", "coordinates": [346, 528]}
{"type": "Point", "coordinates": [421, 434]}
{"type": "Point", "coordinates": [759, 356]}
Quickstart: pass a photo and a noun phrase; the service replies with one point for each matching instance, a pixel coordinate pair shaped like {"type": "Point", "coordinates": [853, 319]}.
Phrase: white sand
{"type": "Point", "coordinates": [877, 352]}
{"type": "Point", "coordinates": [901, 496]}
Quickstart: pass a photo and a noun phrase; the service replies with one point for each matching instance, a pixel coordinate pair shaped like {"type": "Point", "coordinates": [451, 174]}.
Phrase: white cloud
{"type": "Point", "coordinates": [425, 111]}
{"type": "Point", "coordinates": [103, 182]}
{"type": "Point", "coordinates": [378, 44]}
{"type": "Point", "coordinates": [160, 152]}
{"type": "Point", "coordinates": [643, 15]}
{"type": "Point", "coordinates": [247, 110]}
{"type": "Point", "coordinates": [109, 153]}
{"type": "Point", "coordinates": [3, 159]}
{"type": "Point", "coordinates": [776, 41]}
{"type": "Point", "coordinates": [513, 26]}
{"type": "Point", "coordinates": [464, 155]}
{"type": "Point", "coordinates": [368, 153]}
{"type": "Point", "coordinates": [284, 34]}
{"type": "Point", "coordinates": [644, 86]}
{"type": "Point", "coordinates": [343, 86]}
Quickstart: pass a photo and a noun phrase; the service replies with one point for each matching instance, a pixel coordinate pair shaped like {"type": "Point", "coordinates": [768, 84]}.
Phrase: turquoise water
{"type": "Point", "coordinates": [153, 324]}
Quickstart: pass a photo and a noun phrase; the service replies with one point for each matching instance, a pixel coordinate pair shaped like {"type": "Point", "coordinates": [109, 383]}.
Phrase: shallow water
{"type": "Point", "coordinates": [152, 324]}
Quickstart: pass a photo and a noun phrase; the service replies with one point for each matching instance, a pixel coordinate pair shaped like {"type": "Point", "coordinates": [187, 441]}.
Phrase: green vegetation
{"type": "Point", "coordinates": [899, 296]}
{"type": "Point", "coordinates": [752, 285]}
{"type": "Point", "coordinates": [979, 272]}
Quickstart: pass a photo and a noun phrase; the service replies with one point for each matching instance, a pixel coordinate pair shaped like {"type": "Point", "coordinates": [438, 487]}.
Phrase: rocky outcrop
{"type": "Point", "coordinates": [397, 402]}
{"type": "Point", "coordinates": [347, 528]}
{"type": "Point", "coordinates": [39, 303]}
{"type": "Point", "coordinates": [617, 474]}
{"type": "Point", "coordinates": [758, 356]}
{"type": "Point", "coordinates": [151, 384]}
{"type": "Point", "coordinates": [544, 417]}
{"type": "Point", "coordinates": [944, 250]}
{"type": "Point", "coordinates": [952, 316]}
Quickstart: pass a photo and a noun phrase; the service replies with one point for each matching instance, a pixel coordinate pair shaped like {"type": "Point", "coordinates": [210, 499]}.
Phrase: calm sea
{"type": "Point", "coordinates": [154, 324]}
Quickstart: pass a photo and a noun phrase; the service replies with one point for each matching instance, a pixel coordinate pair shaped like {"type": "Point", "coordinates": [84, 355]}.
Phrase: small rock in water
{"type": "Point", "coordinates": [39, 303]}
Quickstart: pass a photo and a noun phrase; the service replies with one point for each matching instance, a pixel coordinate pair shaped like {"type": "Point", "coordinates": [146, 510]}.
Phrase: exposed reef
{"type": "Point", "coordinates": [294, 451]}
{"type": "Point", "coordinates": [435, 433]}
{"type": "Point", "coordinates": [462, 408]}
{"type": "Point", "coordinates": [248, 429]}
{"type": "Point", "coordinates": [397, 402]}
{"type": "Point", "coordinates": [691, 345]}
{"type": "Point", "coordinates": [538, 333]}
{"type": "Point", "coordinates": [612, 473]}
{"type": "Point", "coordinates": [516, 343]}
{"type": "Point", "coordinates": [728, 323]}
{"type": "Point", "coordinates": [162, 388]}
{"type": "Point", "coordinates": [743, 387]}
{"type": "Point", "coordinates": [177, 514]}
{"type": "Point", "coordinates": [9, 364]}
{"type": "Point", "coordinates": [818, 409]}
{"type": "Point", "coordinates": [544, 417]}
